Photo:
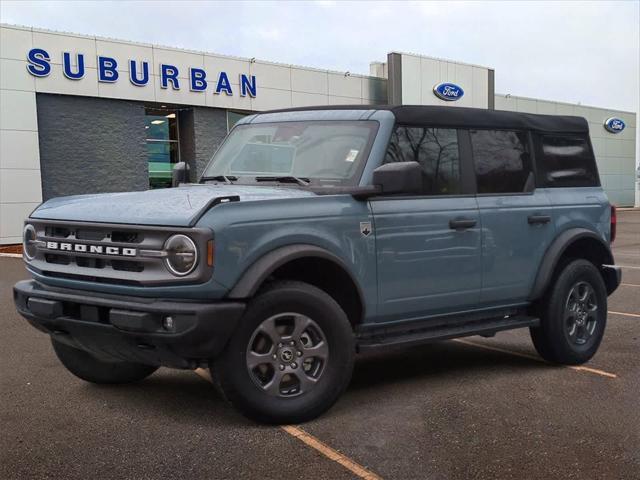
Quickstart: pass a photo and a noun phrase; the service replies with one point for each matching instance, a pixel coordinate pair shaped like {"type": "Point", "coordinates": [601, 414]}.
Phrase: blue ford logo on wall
{"type": "Point", "coordinates": [448, 91]}
{"type": "Point", "coordinates": [614, 125]}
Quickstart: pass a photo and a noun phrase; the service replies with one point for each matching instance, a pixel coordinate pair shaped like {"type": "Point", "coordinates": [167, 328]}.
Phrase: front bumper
{"type": "Point", "coordinates": [130, 328]}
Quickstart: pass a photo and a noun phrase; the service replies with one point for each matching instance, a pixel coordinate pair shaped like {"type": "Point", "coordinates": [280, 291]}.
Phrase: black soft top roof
{"type": "Point", "coordinates": [462, 117]}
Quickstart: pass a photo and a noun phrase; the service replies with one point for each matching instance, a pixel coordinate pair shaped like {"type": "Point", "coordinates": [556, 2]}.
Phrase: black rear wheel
{"type": "Point", "coordinates": [573, 315]}
{"type": "Point", "coordinates": [291, 356]}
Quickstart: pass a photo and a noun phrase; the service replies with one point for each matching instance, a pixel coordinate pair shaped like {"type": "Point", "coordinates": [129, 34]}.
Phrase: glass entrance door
{"type": "Point", "coordinates": [163, 145]}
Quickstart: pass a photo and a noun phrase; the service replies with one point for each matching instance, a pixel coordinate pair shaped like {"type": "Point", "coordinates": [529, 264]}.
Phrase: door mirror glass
{"type": "Point", "coordinates": [399, 177]}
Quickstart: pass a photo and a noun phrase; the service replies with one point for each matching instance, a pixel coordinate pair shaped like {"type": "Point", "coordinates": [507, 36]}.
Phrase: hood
{"type": "Point", "coordinates": [178, 207]}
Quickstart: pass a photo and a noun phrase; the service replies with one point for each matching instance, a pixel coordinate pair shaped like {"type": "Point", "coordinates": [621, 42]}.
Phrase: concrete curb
{"type": "Point", "coordinates": [11, 255]}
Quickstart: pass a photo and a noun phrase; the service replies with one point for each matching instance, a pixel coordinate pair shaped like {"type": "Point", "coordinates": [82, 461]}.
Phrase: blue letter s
{"type": "Point", "coordinates": [38, 65]}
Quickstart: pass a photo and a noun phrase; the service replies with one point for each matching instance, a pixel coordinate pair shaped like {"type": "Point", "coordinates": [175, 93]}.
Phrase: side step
{"type": "Point", "coordinates": [382, 338]}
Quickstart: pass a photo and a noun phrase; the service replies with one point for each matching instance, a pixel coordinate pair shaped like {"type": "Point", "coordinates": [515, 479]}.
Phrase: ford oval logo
{"type": "Point", "coordinates": [614, 125]}
{"type": "Point", "coordinates": [448, 91]}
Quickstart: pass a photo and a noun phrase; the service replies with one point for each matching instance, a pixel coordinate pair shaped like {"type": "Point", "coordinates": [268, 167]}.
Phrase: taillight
{"type": "Point", "coordinates": [614, 221]}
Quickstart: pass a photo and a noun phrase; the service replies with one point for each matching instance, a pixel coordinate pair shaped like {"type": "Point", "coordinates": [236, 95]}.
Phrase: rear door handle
{"type": "Point", "coordinates": [538, 219]}
{"type": "Point", "coordinates": [462, 223]}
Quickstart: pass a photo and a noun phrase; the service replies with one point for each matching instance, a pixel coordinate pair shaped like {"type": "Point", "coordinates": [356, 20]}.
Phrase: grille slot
{"type": "Point", "coordinates": [57, 259]}
{"type": "Point", "coordinates": [57, 232]}
{"type": "Point", "coordinates": [126, 237]}
{"type": "Point", "coordinates": [88, 262]}
{"type": "Point", "coordinates": [94, 235]}
{"type": "Point", "coordinates": [127, 266]}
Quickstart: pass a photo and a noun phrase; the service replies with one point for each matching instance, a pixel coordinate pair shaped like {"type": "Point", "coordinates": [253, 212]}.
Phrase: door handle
{"type": "Point", "coordinates": [538, 219]}
{"type": "Point", "coordinates": [462, 223]}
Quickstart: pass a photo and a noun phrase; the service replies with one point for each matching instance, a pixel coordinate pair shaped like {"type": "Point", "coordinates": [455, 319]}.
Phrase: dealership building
{"type": "Point", "coordinates": [82, 114]}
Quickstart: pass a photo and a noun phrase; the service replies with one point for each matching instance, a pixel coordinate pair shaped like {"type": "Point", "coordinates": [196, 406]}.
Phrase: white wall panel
{"type": "Point", "coordinates": [14, 75]}
{"type": "Point", "coordinates": [334, 100]}
{"type": "Point", "coordinates": [342, 86]}
{"type": "Point", "coordinates": [15, 42]}
{"type": "Point", "coordinates": [12, 217]}
{"type": "Point", "coordinates": [123, 52]}
{"type": "Point", "coordinates": [19, 186]}
{"type": "Point", "coordinates": [56, 44]}
{"type": "Point", "coordinates": [214, 64]}
{"type": "Point", "coordinates": [18, 110]}
{"type": "Point", "coordinates": [411, 80]}
{"type": "Point", "coordinates": [270, 99]}
{"type": "Point", "coordinates": [56, 82]}
{"type": "Point", "coordinates": [300, 99]}
{"type": "Point", "coordinates": [179, 59]}
{"type": "Point", "coordinates": [123, 88]}
{"type": "Point", "coordinates": [19, 149]}
{"type": "Point", "coordinates": [309, 81]}
{"type": "Point", "coordinates": [272, 76]}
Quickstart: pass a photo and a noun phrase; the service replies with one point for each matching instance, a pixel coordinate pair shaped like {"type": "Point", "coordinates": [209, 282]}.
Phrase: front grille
{"type": "Point", "coordinates": [105, 253]}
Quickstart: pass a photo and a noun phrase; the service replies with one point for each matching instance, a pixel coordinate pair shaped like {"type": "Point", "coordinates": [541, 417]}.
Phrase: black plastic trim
{"type": "Point", "coordinates": [554, 253]}
{"type": "Point", "coordinates": [259, 271]}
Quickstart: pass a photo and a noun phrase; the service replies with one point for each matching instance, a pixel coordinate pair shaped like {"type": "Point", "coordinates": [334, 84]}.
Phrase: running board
{"type": "Point", "coordinates": [381, 339]}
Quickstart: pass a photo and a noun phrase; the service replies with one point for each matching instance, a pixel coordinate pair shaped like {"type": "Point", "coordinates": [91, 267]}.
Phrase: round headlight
{"type": "Point", "coordinates": [29, 241]}
{"type": "Point", "coordinates": [182, 255]}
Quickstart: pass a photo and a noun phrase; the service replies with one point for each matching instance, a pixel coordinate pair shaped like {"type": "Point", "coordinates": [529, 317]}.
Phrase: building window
{"type": "Point", "coordinates": [502, 161]}
{"type": "Point", "coordinates": [163, 147]}
{"type": "Point", "coordinates": [436, 150]}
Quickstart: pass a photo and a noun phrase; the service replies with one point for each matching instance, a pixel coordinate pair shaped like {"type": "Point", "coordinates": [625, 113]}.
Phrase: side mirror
{"type": "Point", "coordinates": [399, 177]}
{"type": "Point", "coordinates": [179, 174]}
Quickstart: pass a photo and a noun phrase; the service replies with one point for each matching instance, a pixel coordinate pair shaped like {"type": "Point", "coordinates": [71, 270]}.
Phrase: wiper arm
{"type": "Point", "coordinates": [285, 179]}
{"type": "Point", "coordinates": [220, 178]}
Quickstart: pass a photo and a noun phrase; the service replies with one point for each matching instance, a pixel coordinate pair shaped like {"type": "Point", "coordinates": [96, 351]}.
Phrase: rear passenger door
{"type": "Point", "coordinates": [517, 223]}
{"type": "Point", "coordinates": [428, 245]}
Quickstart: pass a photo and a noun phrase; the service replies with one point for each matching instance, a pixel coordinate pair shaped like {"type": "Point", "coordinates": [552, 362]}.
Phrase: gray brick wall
{"type": "Point", "coordinates": [210, 128]}
{"type": "Point", "coordinates": [91, 145]}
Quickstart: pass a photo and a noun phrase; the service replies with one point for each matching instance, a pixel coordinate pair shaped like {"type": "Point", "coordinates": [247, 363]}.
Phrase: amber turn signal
{"type": "Point", "coordinates": [210, 252]}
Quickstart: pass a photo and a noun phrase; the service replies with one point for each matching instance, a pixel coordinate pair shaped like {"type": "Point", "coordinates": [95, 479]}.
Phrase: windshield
{"type": "Point", "coordinates": [329, 152]}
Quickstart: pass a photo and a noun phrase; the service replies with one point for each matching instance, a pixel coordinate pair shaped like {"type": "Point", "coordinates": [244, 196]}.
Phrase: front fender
{"type": "Point", "coordinates": [554, 253]}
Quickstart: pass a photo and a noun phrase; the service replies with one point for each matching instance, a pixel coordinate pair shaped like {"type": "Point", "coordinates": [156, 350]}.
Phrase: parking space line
{"type": "Point", "coordinates": [629, 285]}
{"type": "Point", "coordinates": [629, 266]}
{"type": "Point", "coordinates": [314, 443]}
{"type": "Point", "coordinates": [537, 359]}
{"type": "Point", "coordinates": [330, 453]}
{"type": "Point", "coordinates": [625, 314]}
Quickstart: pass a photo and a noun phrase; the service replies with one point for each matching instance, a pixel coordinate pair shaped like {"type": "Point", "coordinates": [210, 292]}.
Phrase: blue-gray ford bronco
{"type": "Point", "coordinates": [317, 233]}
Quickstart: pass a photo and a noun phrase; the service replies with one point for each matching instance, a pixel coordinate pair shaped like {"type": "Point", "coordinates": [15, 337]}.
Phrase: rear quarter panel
{"type": "Point", "coordinates": [581, 207]}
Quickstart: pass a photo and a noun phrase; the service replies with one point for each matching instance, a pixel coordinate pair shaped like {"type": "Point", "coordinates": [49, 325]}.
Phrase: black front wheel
{"type": "Point", "coordinates": [573, 315]}
{"type": "Point", "coordinates": [291, 356]}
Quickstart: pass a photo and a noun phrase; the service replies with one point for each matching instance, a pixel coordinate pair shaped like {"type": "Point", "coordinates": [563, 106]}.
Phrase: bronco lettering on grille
{"type": "Point", "coordinates": [99, 249]}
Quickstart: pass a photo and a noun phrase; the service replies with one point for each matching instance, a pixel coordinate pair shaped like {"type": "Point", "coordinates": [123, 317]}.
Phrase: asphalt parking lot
{"type": "Point", "coordinates": [477, 408]}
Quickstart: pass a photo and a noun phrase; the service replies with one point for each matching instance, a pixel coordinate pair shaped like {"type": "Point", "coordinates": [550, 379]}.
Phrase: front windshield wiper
{"type": "Point", "coordinates": [285, 179]}
{"type": "Point", "coordinates": [219, 178]}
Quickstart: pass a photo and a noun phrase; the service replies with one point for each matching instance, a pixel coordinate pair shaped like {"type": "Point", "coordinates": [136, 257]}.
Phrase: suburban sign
{"type": "Point", "coordinates": [614, 125]}
{"type": "Point", "coordinates": [73, 68]}
{"type": "Point", "coordinates": [448, 91]}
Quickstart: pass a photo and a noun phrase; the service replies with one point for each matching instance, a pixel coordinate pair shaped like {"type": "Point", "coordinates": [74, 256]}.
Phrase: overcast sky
{"type": "Point", "coordinates": [585, 52]}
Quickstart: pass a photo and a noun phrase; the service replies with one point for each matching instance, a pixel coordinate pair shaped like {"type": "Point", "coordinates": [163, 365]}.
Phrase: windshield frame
{"type": "Point", "coordinates": [354, 180]}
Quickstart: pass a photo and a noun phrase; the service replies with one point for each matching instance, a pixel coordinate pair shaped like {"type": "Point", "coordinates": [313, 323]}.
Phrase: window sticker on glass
{"type": "Point", "coordinates": [351, 156]}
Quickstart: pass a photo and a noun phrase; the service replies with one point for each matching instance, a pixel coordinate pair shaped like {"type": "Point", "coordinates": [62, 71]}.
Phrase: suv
{"type": "Point", "coordinates": [317, 233]}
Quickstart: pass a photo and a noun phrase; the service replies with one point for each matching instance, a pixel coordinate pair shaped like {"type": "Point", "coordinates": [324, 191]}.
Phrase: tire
{"type": "Point", "coordinates": [573, 315]}
{"type": "Point", "coordinates": [88, 368]}
{"type": "Point", "coordinates": [316, 369]}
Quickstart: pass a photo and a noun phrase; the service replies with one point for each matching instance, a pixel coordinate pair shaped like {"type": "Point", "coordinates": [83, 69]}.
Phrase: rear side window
{"type": "Point", "coordinates": [502, 161]}
{"type": "Point", "coordinates": [436, 150]}
{"type": "Point", "coordinates": [566, 161]}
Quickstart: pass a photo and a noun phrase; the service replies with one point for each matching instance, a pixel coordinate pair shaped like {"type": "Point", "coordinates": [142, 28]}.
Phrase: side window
{"type": "Point", "coordinates": [436, 150]}
{"type": "Point", "coordinates": [566, 161]}
{"type": "Point", "coordinates": [502, 161]}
